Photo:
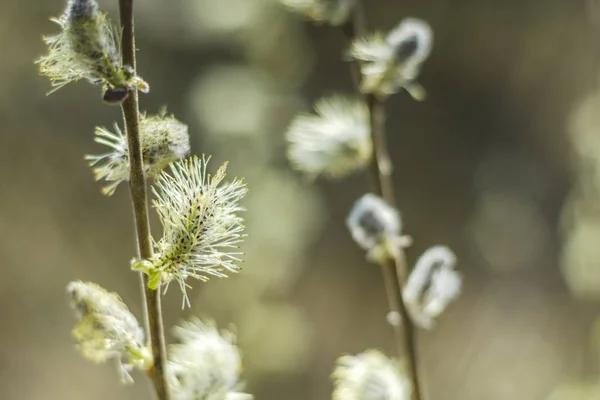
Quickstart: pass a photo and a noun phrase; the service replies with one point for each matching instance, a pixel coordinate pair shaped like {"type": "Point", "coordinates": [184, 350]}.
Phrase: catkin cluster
{"type": "Point", "coordinates": [163, 139]}
{"type": "Point", "coordinates": [200, 212]}
{"type": "Point", "coordinates": [340, 139]}
{"type": "Point", "coordinates": [87, 47]}
{"type": "Point", "coordinates": [202, 228]}
{"type": "Point", "coordinates": [106, 329]}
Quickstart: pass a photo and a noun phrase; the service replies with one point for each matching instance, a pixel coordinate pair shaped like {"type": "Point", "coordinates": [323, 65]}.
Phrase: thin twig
{"type": "Point", "coordinates": [139, 198]}
{"type": "Point", "coordinates": [395, 272]}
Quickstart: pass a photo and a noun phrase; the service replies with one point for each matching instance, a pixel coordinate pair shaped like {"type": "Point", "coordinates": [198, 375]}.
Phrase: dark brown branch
{"type": "Point", "coordinates": [139, 198]}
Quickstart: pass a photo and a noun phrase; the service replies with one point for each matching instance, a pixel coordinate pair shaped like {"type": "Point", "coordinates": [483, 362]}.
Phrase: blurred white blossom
{"type": "Point", "coordinates": [335, 142]}
{"type": "Point", "coordinates": [432, 285]}
{"type": "Point", "coordinates": [205, 365]}
{"type": "Point", "coordinates": [370, 376]}
{"type": "Point", "coordinates": [163, 139]}
{"type": "Point", "coordinates": [376, 227]}
{"type": "Point", "coordinates": [580, 222]}
{"type": "Point", "coordinates": [88, 48]}
{"type": "Point", "coordinates": [201, 226]}
{"type": "Point", "coordinates": [333, 12]}
{"type": "Point", "coordinates": [394, 61]}
{"type": "Point", "coordinates": [106, 329]}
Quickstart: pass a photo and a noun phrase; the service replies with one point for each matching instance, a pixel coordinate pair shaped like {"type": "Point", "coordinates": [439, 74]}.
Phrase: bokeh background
{"type": "Point", "coordinates": [501, 163]}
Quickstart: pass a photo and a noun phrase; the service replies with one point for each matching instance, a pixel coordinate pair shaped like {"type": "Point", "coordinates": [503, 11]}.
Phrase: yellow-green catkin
{"type": "Point", "coordinates": [106, 329]}
{"type": "Point", "coordinates": [202, 228]}
{"type": "Point", "coordinates": [164, 139]}
{"type": "Point", "coordinates": [88, 48]}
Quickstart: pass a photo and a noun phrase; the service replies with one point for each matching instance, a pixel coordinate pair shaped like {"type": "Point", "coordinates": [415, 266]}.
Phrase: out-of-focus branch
{"type": "Point", "coordinates": [395, 272]}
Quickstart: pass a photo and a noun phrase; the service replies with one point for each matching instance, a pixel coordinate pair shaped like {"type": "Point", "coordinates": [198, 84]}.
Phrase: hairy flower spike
{"type": "Point", "coordinates": [205, 365]}
{"type": "Point", "coordinates": [333, 12]}
{"type": "Point", "coordinates": [370, 376]}
{"type": "Point", "coordinates": [88, 48]}
{"type": "Point", "coordinates": [432, 284]}
{"type": "Point", "coordinates": [163, 138]}
{"type": "Point", "coordinates": [394, 61]}
{"type": "Point", "coordinates": [106, 329]}
{"type": "Point", "coordinates": [201, 228]}
{"type": "Point", "coordinates": [335, 142]}
{"type": "Point", "coordinates": [376, 227]}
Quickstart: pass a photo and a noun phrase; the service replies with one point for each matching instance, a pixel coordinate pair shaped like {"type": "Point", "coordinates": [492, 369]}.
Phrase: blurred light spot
{"type": "Point", "coordinates": [584, 127]}
{"type": "Point", "coordinates": [581, 258]}
{"type": "Point", "coordinates": [232, 100]}
{"type": "Point", "coordinates": [503, 171]}
{"type": "Point", "coordinates": [595, 340]}
{"type": "Point", "coordinates": [222, 16]}
{"type": "Point", "coordinates": [511, 328]}
{"type": "Point", "coordinates": [576, 391]}
{"type": "Point", "coordinates": [277, 43]}
{"type": "Point", "coordinates": [580, 213]}
{"type": "Point", "coordinates": [295, 214]}
{"type": "Point", "coordinates": [508, 231]}
{"type": "Point", "coordinates": [276, 339]}
{"type": "Point", "coordinates": [524, 352]}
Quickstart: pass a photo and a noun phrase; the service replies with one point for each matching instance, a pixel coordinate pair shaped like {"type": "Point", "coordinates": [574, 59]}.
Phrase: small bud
{"type": "Point", "coordinates": [370, 376]}
{"type": "Point", "coordinates": [201, 227]}
{"type": "Point", "coordinates": [333, 12]}
{"type": "Point", "coordinates": [88, 48]}
{"type": "Point", "coordinates": [432, 285]}
{"type": "Point", "coordinates": [106, 329]}
{"type": "Point", "coordinates": [335, 143]}
{"type": "Point", "coordinates": [163, 138]}
{"type": "Point", "coordinates": [115, 96]}
{"type": "Point", "coordinates": [394, 318]}
{"type": "Point", "coordinates": [205, 364]}
{"type": "Point", "coordinates": [376, 227]}
{"type": "Point", "coordinates": [394, 61]}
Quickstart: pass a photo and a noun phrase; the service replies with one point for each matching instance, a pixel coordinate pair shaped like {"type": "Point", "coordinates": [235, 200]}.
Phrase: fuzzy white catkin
{"type": "Point", "coordinates": [376, 227]}
{"type": "Point", "coordinates": [334, 142]}
{"type": "Point", "coordinates": [432, 285]}
{"type": "Point", "coordinates": [88, 48]}
{"type": "Point", "coordinates": [163, 139]}
{"type": "Point", "coordinates": [205, 365]}
{"type": "Point", "coordinates": [202, 229]}
{"type": "Point", "coordinates": [394, 61]}
{"type": "Point", "coordinates": [333, 12]}
{"type": "Point", "coordinates": [370, 376]}
{"type": "Point", "coordinates": [372, 220]}
{"type": "Point", "coordinates": [106, 329]}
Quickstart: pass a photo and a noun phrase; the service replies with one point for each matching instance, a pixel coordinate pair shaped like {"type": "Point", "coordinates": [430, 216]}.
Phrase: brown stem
{"type": "Point", "coordinates": [381, 164]}
{"type": "Point", "coordinates": [396, 269]}
{"type": "Point", "coordinates": [395, 272]}
{"type": "Point", "coordinates": [139, 198]}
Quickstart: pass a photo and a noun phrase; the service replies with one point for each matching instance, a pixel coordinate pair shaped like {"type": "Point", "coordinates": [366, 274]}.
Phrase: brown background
{"type": "Point", "coordinates": [483, 166]}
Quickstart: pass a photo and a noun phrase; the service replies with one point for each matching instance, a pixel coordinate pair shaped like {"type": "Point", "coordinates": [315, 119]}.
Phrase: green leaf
{"type": "Point", "coordinates": [154, 281]}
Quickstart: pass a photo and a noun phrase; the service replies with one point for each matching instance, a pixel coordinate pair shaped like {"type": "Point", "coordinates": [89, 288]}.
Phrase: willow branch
{"type": "Point", "coordinates": [139, 198]}
{"type": "Point", "coordinates": [396, 269]}
{"type": "Point", "coordinates": [395, 272]}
